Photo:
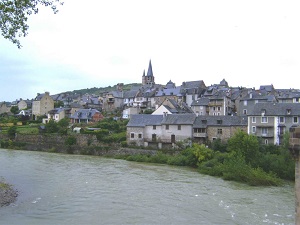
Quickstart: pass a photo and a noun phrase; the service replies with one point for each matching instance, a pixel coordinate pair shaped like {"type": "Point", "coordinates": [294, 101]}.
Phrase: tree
{"type": "Point", "coordinates": [245, 145]}
{"type": "Point", "coordinates": [14, 15]}
{"type": "Point", "coordinates": [14, 109]}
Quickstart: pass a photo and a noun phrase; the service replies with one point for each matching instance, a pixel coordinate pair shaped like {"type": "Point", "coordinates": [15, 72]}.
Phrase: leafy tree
{"type": "Point", "coordinates": [58, 104]}
{"type": "Point", "coordinates": [14, 15]}
{"type": "Point", "coordinates": [51, 127]}
{"type": "Point", "coordinates": [11, 131]}
{"type": "Point", "coordinates": [14, 109]}
{"type": "Point", "coordinates": [245, 145]}
{"type": "Point", "coordinates": [63, 125]}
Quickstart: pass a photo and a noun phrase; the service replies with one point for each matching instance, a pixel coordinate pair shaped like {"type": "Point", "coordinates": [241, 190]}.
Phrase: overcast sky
{"type": "Point", "coordinates": [95, 43]}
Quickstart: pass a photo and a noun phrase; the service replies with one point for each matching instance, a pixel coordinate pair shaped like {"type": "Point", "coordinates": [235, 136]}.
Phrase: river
{"type": "Point", "coordinates": [75, 189]}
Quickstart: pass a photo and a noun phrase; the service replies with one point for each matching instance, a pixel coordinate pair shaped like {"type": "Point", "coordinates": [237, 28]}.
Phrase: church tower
{"type": "Point", "coordinates": [149, 78]}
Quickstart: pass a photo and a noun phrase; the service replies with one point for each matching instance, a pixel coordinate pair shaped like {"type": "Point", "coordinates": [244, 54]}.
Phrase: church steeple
{"type": "Point", "coordinates": [150, 72]}
{"type": "Point", "coordinates": [149, 78]}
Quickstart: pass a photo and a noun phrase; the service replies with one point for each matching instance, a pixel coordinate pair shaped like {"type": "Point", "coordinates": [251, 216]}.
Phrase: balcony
{"type": "Point", "coordinates": [200, 135]}
{"type": "Point", "coordinates": [215, 104]}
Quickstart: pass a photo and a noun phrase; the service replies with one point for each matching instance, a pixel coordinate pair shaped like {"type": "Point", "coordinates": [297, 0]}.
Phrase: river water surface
{"type": "Point", "coordinates": [71, 189]}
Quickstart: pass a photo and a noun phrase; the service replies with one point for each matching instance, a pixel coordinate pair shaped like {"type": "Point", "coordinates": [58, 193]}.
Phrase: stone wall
{"type": "Point", "coordinates": [85, 144]}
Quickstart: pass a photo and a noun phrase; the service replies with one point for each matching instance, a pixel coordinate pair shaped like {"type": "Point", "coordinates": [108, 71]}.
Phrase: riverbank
{"type": "Point", "coordinates": [8, 194]}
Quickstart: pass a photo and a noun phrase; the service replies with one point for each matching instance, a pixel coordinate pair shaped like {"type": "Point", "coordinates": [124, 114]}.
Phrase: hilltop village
{"type": "Point", "coordinates": [161, 115]}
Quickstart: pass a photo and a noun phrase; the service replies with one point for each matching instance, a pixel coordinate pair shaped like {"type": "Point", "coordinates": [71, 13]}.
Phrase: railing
{"type": "Point", "coordinates": [202, 135]}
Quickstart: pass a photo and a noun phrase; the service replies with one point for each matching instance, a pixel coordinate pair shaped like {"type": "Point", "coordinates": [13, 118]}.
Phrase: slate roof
{"type": "Point", "coordinates": [201, 102]}
{"type": "Point", "coordinates": [275, 109]}
{"type": "Point", "coordinates": [204, 121]}
{"type": "Point", "coordinates": [168, 92]}
{"type": "Point", "coordinates": [186, 119]}
{"type": "Point", "coordinates": [84, 114]}
{"type": "Point", "coordinates": [142, 120]}
{"type": "Point", "coordinates": [150, 72]}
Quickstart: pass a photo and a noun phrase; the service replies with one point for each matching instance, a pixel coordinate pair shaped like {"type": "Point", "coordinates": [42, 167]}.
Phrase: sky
{"type": "Point", "coordinates": [98, 43]}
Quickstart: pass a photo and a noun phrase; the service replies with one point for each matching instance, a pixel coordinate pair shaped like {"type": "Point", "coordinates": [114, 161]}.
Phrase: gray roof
{"type": "Point", "coordinates": [84, 114]}
{"type": "Point", "coordinates": [142, 120]}
{"type": "Point", "coordinates": [204, 121]}
{"type": "Point", "coordinates": [179, 119]}
{"type": "Point", "coordinates": [169, 92]}
{"type": "Point", "coordinates": [201, 102]}
{"type": "Point", "coordinates": [275, 109]}
{"type": "Point", "coordinates": [150, 72]}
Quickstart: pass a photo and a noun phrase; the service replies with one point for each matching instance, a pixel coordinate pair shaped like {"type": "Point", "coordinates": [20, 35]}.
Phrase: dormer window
{"type": "Point", "coordinates": [204, 121]}
{"type": "Point", "coordinates": [288, 111]}
{"type": "Point", "coordinates": [219, 121]}
{"type": "Point", "coordinates": [263, 112]}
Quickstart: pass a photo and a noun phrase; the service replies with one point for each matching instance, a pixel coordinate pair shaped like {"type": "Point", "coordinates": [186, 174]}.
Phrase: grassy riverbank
{"type": "Point", "coordinates": [8, 194]}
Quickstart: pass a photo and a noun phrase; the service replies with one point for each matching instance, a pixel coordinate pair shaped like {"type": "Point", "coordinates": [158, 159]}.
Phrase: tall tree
{"type": "Point", "coordinates": [14, 15]}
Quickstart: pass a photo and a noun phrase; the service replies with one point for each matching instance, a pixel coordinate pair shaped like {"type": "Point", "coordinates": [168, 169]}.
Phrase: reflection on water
{"type": "Point", "coordinates": [70, 189]}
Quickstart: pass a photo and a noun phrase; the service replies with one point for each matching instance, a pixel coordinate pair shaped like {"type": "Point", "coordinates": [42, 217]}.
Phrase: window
{"type": "Point", "coordinates": [214, 108]}
{"type": "Point", "coordinates": [288, 111]}
{"type": "Point", "coordinates": [281, 119]}
{"type": "Point", "coordinates": [131, 135]}
{"type": "Point", "coordinates": [167, 127]}
{"type": "Point", "coordinates": [245, 111]}
{"type": "Point", "coordinates": [295, 119]}
{"type": "Point", "coordinates": [179, 127]}
{"type": "Point", "coordinates": [253, 119]}
{"type": "Point", "coordinates": [253, 130]}
{"type": "Point", "coordinates": [154, 127]}
{"type": "Point", "coordinates": [264, 119]}
{"type": "Point", "coordinates": [266, 141]}
{"type": "Point", "coordinates": [219, 108]}
{"type": "Point", "coordinates": [245, 102]}
{"type": "Point", "coordinates": [264, 131]}
{"type": "Point", "coordinates": [219, 121]}
{"type": "Point", "coordinates": [140, 136]}
{"type": "Point", "coordinates": [153, 137]}
{"type": "Point", "coordinates": [219, 131]}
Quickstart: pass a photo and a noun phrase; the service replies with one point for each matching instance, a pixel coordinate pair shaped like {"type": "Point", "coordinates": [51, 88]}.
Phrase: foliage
{"type": "Point", "coordinates": [11, 131]}
{"type": "Point", "coordinates": [51, 127]}
{"type": "Point", "coordinates": [70, 140]}
{"type": "Point", "coordinates": [202, 153]}
{"type": "Point", "coordinates": [14, 15]}
{"type": "Point", "coordinates": [217, 145]}
{"type": "Point", "coordinates": [14, 109]}
{"type": "Point", "coordinates": [245, 145]}
{"type": "Point", "coordinates": [58, 104]}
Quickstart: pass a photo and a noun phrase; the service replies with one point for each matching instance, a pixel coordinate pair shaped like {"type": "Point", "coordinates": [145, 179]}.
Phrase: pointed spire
{"type": "Point", "coordinates": [150, 72]}
{"type": "Point", "coordinates": [144, 73]}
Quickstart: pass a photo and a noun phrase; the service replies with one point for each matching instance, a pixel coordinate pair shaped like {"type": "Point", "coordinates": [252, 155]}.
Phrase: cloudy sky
{"type": "Point", "coordinates": [97, 43]}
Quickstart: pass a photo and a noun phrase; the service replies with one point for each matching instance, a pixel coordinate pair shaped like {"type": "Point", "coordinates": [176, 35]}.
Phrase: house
{"type": "Point", "coordinates": [57, 114]}
{"type": "Point", "coordinates": [247, 103]}
{"type": "Point", "coordinates": [4, 107]}
{"type": "Point", "coordinates": [192, 90]}
{"type": "Point", "coordinates": [42, 104]}
{"type": "Point", "coordinates": [24, 104]}
{"type": "Point", "coordinates": [170, 106]}
{"type": "Point", "coordinates": [159, 130]}
{"type": "Point", "coordinates": [270, 121]}
{"type": "Point", "coordinates": [200, 106]}
{"type": "Point", "coordinates": [142, 129]}
{"type": "Point", "coordinates": [209, 128]}
{"type": "Point", "coordinates": [86, 116]}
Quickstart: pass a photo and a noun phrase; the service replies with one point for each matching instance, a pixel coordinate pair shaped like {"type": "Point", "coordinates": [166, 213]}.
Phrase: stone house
{"type": "Point", "coordinates": [4, 107]}
{"type": "Point", "coordinates": [192, 90]}
{"type": "Point", "coordinates": [42, 104]}
{"type": "Point", "coordinates": [24, 104]}
{"type": "Point", "coordinates": [200, 106]}
{"type": "Point", "coordinates": [86, 116]}
{"type": "Point", "coordinates": [143, 129]}
{"type": "Point", "coordinates": [57, 114]}
{"type": "Point", "coordinates": [270, 121]}
{"type": "Point", "coordinates": [170, 106]}
{"type": "Point", "coordinates": [159, 130]}
{"type": "Point", "coordinates": [209, 128]}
